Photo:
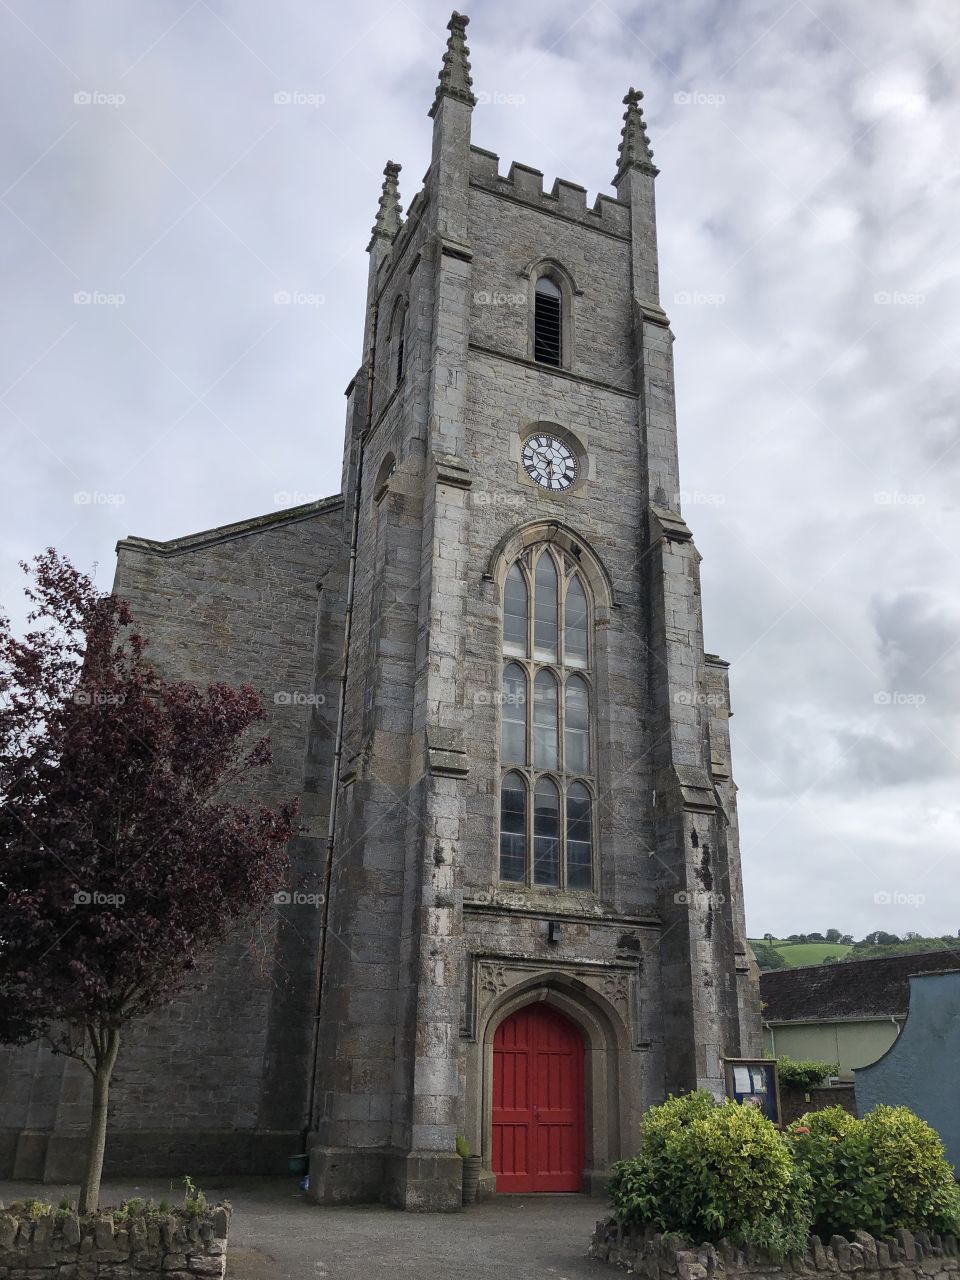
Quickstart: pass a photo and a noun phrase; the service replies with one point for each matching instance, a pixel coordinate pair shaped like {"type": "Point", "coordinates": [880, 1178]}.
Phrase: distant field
{"type": "Point", "coordinates": [799, 953]}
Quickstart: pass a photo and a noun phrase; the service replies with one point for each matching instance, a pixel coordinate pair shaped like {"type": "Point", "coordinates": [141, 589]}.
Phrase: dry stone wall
{"type": "Point", "coordinates": [904, 1256]}
{"type": "Point", "coordinates": [64, 1247]}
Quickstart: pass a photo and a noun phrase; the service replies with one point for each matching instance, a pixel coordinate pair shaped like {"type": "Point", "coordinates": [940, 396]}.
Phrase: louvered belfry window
{"type": "Point", "coordinates": [547, 322]}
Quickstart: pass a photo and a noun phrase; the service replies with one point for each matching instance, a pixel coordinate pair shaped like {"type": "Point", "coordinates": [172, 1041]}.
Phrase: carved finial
{"type": "Point", "coordinates": [388, 213]}
{"type": "Point", "coordinates": [455, 79]}
{"type": "Point", "coordinates": [634, 143]}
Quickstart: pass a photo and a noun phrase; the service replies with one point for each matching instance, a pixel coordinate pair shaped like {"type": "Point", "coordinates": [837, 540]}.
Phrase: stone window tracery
{"type": "Point", "coordinates": [546, 724]}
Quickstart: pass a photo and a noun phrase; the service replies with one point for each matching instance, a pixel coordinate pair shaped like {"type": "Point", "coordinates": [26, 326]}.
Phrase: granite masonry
{"type": "Point", "coordinates": [468, 854]}
{"type": "Point", "coordinates": [902, 1256]}
{"type": "Point", "coordinates": [145, 1246]}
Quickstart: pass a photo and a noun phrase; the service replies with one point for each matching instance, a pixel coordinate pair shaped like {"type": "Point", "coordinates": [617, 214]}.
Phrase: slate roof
{"type": "Point", "coordinates": [877, 988]}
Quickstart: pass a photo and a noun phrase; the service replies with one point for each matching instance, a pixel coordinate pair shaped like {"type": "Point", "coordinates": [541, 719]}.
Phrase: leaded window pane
{"type": "Point", "coordinates": [577, 726]}
{"type": "Point", "coordinates": [546, 833]}
{"type": "Point", "coordinates": [545, 616]}
{"type": "Point", "coordinates": [575, 625]}
{"type": "Point", "coordinates": [545, 721]}
{"type": "Point", "coordinates": [579, 837]}
{"type": "Point", "coordinates": [515, 613]}
{"type": "Point", "coordinates": [513, 829]}
{"type": "Point", "coordinates": [513, 716]}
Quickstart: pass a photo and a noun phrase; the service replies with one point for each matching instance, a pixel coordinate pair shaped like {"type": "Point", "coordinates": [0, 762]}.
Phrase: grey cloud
{"type": "Point", "coordinates": [822, 178]}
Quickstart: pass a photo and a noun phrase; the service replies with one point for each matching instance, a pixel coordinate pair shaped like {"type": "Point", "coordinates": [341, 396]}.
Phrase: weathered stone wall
{"type": "Point", "coordinates": [795, 1103]}
{"type": "Point", "coordinates": [218, 1080]}
{"type": "Point", "coordinates": [424, 948]}
{"type": "Point", "coordinates": [904, 1256]}
{"type": "Point", "coordinates": [421, 918]}
{"type": "Point", "coordinates": [148, 1248]}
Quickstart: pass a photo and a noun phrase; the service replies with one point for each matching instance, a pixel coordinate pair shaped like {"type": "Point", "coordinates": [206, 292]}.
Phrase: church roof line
{"type": "Point", "coordinates": [227, 532]}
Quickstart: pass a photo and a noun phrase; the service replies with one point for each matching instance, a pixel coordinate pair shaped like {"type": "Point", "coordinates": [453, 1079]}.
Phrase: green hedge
{"type": "Point", "coordinates": [804, 1073]}
{"type": "Point", "coordinates": [882, 1172]}
{"type": "Point", "coordinates": [711, 1170]}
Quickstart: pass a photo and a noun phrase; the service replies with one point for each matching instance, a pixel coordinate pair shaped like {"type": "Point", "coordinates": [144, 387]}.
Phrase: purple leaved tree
{"type": "Point", "coordinates": [125, 855]}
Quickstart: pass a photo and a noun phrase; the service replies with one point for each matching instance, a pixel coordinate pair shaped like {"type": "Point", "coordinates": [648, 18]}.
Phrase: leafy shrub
{"type": "Point", "coordinates": [876, 1174]}
{"type": "Point", "coordinates": [31, 1208]}
{"type": "Point", "coordinates": [194, 1201]}
{"type": "Point", "coordinates": [709, 1170]}
{"type": "Point", "coordinates": [804, 1073]}
{"type": "Point", "coordinates": [135, 1207]}
{"type": "Point", "coordinates": [463, 1147]}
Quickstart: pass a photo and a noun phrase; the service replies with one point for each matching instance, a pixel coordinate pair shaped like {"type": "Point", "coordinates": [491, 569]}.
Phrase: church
{"type": "Point", "coordinates": [515, 908]}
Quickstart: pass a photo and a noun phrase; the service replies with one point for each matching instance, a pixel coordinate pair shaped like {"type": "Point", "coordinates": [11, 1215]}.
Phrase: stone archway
{"type": "Point", "coordinates": [608, 1101]}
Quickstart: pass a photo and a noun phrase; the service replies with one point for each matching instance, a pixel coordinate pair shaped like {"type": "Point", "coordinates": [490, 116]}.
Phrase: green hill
{"type": "Point", "coordinates": [800, 953]}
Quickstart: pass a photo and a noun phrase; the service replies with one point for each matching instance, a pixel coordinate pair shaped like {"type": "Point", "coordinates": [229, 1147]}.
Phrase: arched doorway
{"type": "Point", "coordinates": [537, 1102]}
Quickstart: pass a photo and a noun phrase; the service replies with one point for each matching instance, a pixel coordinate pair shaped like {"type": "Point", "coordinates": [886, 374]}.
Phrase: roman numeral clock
{"type": "Point", "coordinates": [549, 462]}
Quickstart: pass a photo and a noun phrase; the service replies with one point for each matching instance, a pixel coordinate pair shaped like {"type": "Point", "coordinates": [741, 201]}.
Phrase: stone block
{"type": "Point", "coordinates": [906, 1243]}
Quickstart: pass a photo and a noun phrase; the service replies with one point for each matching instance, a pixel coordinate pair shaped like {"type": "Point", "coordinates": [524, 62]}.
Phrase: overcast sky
{"type": "Point", "coordinates": [810, 263]}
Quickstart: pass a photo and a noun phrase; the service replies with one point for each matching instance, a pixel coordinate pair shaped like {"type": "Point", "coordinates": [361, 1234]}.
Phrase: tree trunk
{"type": "Point", "coordinates": [97, 1137]}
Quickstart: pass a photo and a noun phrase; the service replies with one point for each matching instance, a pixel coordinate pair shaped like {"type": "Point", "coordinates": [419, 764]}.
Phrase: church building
{"type": "Point", "coordinates": [515, 909]}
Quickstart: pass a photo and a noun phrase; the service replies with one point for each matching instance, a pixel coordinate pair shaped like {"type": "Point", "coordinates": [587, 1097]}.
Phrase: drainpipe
{"type": "Point", "coordinates": [338, 741]}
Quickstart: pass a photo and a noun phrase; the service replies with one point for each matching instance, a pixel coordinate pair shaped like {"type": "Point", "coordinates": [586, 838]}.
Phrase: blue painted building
{"type": "Point", "coordinates": [921, 1069]}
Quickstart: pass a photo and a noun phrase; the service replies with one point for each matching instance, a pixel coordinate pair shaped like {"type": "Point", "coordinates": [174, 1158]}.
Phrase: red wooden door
{"type": "Point", "coordinates": [537, 1102]}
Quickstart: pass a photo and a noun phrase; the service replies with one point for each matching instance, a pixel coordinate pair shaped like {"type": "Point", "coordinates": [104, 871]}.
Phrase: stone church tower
{"type": "Point", "coordinates": [515, 909]}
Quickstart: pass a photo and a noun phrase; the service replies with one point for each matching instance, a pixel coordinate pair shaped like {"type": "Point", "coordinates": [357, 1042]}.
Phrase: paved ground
{"type": "Point", "coordinates": [277, 1235]}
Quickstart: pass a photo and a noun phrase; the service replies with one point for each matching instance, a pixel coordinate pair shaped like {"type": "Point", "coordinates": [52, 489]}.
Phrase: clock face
{"type": "Point", "coordinates": [549, 462]}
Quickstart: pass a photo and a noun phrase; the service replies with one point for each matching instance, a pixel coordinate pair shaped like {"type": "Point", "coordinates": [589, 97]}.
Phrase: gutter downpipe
{"type": "Point", "coordinates": [338, 746]}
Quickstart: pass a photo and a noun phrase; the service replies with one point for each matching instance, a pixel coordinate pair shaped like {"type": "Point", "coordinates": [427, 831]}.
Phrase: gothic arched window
{"type": "Point", "coordinates": [546, 724]}
{"type": "Point", "coordinates": [547, 322]}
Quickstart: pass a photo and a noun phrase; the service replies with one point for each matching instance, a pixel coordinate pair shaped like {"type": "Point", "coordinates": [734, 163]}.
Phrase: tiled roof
{"type": "Point", "coordinates": [876, 988]}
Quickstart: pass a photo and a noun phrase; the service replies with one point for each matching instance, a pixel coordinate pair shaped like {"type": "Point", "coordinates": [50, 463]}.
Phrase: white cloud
{"type": "Point", "coordinates": [824, 178]}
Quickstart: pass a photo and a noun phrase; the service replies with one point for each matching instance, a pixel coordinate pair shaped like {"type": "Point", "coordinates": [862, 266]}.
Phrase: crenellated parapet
{"type": "Point", "coordinates": [565, 199]}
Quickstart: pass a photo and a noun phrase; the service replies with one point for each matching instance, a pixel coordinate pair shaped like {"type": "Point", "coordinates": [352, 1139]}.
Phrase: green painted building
{"type": "Point", "coordinates": [850, 1012]}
